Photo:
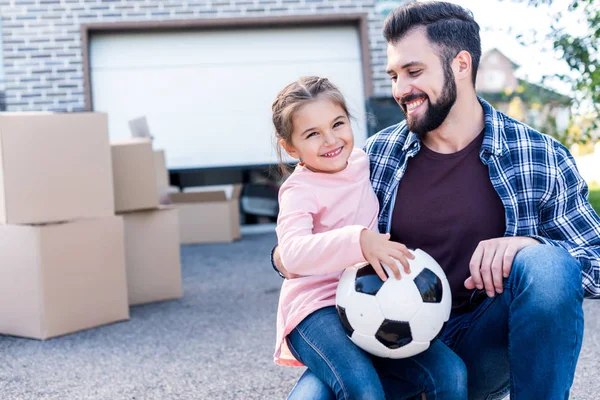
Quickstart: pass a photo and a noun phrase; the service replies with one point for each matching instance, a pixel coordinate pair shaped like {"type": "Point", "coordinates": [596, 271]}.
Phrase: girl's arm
{"type": "Point", "coordinates": [306, 253]}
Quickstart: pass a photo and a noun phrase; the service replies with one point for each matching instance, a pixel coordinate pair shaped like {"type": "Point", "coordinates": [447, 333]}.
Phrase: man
{"type": "Point", "coordinates": [500, 206]}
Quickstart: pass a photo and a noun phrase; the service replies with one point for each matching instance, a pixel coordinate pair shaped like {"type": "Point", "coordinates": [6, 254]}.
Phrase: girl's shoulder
{"type": "Point", "coordinates": [296, 193]}
{"type": "Point", "coordinates": [358, 154]}
{"type": "Point", "coordinates": [358, 161]}
{"type": "Point", "coordinates": [298, 179]}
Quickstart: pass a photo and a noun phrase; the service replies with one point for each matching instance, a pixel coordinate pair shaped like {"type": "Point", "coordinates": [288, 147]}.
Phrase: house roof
{"type": "Point", "coordinates": [501, 54]}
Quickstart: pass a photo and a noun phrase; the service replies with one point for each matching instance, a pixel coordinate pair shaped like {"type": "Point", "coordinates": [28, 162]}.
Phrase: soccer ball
{"type": "Point", "coordinates": [395, 318]}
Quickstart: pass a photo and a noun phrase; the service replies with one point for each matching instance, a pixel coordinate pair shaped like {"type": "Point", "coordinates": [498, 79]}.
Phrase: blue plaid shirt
{"type": "Point", "coordinates": [535, 176]}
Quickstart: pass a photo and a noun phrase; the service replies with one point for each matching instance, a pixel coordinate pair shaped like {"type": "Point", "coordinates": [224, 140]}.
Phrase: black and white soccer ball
{"type": "Point", "coordinates": [397, 318]}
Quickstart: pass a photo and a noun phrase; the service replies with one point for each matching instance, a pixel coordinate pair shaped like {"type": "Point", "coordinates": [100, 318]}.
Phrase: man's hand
{"type": "Point", "coordinates": [492, 261]}
{"type": "Point", "coordinates": [377, 248]}
{"type": "Point", "coordinates": [280, 267]}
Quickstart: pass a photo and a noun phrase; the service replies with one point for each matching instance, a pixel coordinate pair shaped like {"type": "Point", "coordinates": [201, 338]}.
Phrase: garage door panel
{"type": "Point", "coordinates": [213, 115]}
{"type": "Point", "coordinates": [214, 47]}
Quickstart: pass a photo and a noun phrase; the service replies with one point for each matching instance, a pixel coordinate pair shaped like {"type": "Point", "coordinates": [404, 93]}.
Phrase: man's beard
{"type": "Point", "coordinates": [437, 112]}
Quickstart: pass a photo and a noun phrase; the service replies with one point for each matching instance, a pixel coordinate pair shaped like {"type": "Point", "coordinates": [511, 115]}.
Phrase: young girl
{"type": "Point", "coordinates": [327, 222]}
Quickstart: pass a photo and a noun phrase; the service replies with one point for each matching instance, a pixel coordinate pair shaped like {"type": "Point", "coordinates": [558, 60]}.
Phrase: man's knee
{"type": "Point", "coordinates": [548, 272]}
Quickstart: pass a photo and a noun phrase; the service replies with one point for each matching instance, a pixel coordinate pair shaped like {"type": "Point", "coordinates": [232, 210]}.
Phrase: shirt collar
{"type": "Point", "coordinates": [494, 137]}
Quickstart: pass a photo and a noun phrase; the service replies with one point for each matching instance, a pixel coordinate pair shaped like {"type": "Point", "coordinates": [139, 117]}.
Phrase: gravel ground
{"type": "Point", "coordinates": [214, 343]}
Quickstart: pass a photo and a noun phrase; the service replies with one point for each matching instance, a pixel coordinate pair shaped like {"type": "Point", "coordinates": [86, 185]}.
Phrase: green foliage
{"type": "Point", "coordinates": [595, 197]}
{"type": "Point", "coordinates": [581, 55]}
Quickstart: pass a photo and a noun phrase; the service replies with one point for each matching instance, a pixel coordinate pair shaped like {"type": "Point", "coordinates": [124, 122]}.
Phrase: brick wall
{"type": "Point", "coordinates": [42, 46]}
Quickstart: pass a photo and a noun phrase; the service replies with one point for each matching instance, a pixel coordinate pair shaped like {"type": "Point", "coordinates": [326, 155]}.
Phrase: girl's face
{"type": "Point", "coordinates": [322, 137]}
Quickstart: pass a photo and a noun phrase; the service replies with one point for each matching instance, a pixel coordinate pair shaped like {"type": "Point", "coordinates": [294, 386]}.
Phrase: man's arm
{"type": "Point", "coordinates": [492, 262]}
{"type": "Point", "coordinates": [568, 220]}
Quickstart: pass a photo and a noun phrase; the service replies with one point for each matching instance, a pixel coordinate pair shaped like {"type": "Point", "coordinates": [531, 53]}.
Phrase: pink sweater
{"type": "Point", "coordinates": [320, 219]}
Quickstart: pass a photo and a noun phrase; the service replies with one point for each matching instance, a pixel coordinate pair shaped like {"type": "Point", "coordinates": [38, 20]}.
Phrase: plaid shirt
{"type": "Point", "coordinates": [535, 176]}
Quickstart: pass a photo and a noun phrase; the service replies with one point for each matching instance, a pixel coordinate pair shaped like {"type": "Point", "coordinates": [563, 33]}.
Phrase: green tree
{"type": "Point", "coordinates": [581, 56]}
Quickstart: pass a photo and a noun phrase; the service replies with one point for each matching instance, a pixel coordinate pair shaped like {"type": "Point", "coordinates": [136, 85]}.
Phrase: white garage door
{"type": "Point", "coordinates": [207, 94]}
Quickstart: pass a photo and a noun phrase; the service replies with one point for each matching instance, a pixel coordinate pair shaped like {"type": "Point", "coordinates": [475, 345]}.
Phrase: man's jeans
{"type": "Point", "coordinates": [528, 338]}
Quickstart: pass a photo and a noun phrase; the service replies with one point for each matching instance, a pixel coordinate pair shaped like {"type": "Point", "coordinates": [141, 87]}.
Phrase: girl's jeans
{"type": "Point", "coordinates": [527, 339]}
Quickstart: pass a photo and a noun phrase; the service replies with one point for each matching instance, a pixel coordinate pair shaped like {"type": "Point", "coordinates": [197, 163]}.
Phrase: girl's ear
{"type": "Point", "coordinates": [291, 150]}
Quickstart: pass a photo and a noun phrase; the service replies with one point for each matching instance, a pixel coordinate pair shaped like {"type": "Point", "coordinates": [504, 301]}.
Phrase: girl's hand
{"type": "Point", "coordinates": [377, 248]}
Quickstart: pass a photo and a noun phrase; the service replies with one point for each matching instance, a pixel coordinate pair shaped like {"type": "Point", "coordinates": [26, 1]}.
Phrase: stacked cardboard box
{"type": "Point", "coordinates": [62, 256]}
{"type": "Point", "coordinates": [208, 214]}
{"type": "Point", "coordinates": [151, 231]}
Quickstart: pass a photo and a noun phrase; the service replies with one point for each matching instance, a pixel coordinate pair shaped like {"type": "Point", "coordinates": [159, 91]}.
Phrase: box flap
{"type": "Point", "coordinates": [231, 192]}
{"type": "Point", "coordinates": [130, 141]}
{"type": "Point", "coordinates": [237, 191]}
{"type": "Point", "coordinates": [139, 128]}
{"type": "Point", "coordinates": [198, 197]}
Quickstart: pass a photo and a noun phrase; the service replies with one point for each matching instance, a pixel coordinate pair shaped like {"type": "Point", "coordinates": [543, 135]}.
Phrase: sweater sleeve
{"type": "Point", "coordinates": [304, 252]}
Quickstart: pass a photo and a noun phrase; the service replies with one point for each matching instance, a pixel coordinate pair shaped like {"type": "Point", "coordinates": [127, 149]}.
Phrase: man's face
{"type": "Point", "coordinates": [424, 88]}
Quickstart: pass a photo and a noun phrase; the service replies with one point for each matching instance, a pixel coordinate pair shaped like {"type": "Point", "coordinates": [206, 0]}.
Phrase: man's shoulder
{"type": "Point", "coordinates": [505, 132]}
{"type": "Point", "coordinates": [518, 133]}
{"type": "Point", "coordinates": [395, 134]}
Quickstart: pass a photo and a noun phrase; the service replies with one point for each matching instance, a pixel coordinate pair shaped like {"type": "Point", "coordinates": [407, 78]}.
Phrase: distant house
{"type": "Point", "coordinates": [537, 106]}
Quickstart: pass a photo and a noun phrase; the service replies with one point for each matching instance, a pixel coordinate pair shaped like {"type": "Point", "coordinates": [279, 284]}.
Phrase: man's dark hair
{"type": "Point", "coordinates": [450, 28]}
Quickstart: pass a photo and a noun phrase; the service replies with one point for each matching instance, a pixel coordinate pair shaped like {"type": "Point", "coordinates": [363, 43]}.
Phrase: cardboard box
{"type": "Point", "coordinates": [162, 174]}
{"type": "Point", "coordinates": [152, 255]}
{"type": "Point", "coordinates": [134, 175]}
{"type": "Point", "coordinates": [208, 216]}
{"type": "Point", "coordinates": [61, 278]}
{"type": "Point", "coordinates": [54, 167]}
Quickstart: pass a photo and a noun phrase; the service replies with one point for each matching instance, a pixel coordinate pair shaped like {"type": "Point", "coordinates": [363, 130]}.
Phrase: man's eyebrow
{"type": "Point", "coordinates": [390, 71]}
{"type": "Point", "coordinates": [412, 64]}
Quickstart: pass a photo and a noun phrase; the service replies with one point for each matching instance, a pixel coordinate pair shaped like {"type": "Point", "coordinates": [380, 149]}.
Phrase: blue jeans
{"type": "Point", "coordinates": [527, 339]}
{"type": "Point", "coordinates": [348, 372]}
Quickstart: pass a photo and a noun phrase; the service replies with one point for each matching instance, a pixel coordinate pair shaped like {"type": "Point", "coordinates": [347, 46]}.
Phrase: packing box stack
{"type": "Point", "coordinates": [62, 253]}
{"type": "Point", "coordinates": [153, 261]}
{"type": "Point", "coordinates": [206, 214]}
{"type": "Point", "coordinates": [209, 214]}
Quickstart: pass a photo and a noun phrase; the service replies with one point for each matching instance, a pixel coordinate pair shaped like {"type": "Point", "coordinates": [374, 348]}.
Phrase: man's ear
{"type": "Point", "coordinates": [291, 150]}
{"type": "Point", "coordinates": [462, 65]}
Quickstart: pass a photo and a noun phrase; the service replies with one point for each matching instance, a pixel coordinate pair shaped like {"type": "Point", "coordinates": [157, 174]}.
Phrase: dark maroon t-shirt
{"type": "Point", "coordinates": [446, 205]}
